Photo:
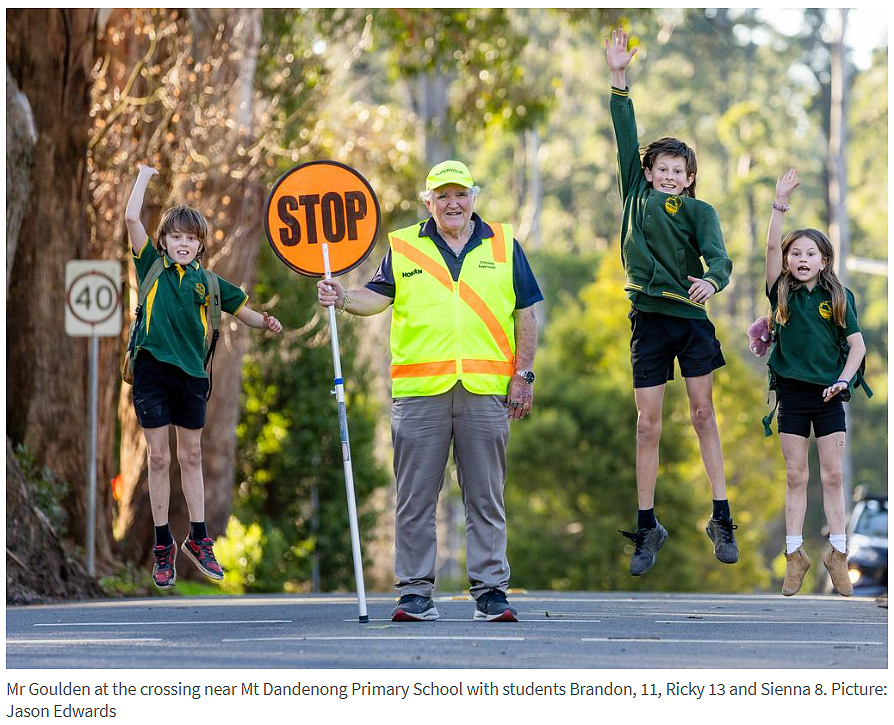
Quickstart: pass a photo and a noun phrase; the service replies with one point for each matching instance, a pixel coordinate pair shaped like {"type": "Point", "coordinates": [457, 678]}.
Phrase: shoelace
{"type": "Point", "coordinates": [637, 537]}
{"type": "Point", "coordinates": [162, 557]}
{"type": "Point", "coordinates": [495, 595]}
{"type": "Point", "coordinates": [726, 531]}
{"type": "Point", "coordinates": [204, 547]}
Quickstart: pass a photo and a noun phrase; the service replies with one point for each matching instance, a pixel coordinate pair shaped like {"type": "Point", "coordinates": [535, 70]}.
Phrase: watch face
{"type": "Point", "coordinates": [528, 376]}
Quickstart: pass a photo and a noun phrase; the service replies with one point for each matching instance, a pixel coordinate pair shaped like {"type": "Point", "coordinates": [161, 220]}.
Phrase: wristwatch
{"type": "Point", "coordinates": [526, 375]}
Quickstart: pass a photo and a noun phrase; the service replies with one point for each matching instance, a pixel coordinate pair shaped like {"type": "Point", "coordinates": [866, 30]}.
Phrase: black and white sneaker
{"type": "Point", "coordinates": [647, 542]}
{"type": "Point", "coordinates": [493, 607]}
{"type": "Point", "coordinates": [414, 608]}
{"type": "Point", "coordinates": [720, 531]}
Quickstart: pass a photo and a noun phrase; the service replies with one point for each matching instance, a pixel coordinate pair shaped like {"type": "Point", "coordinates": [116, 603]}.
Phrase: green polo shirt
{"type": "Point", "coordinates": [175, 320]}
{"type": "Point", "coordinates": [809, 347]}
{"type": "Point", "coordinates": [663, 237]}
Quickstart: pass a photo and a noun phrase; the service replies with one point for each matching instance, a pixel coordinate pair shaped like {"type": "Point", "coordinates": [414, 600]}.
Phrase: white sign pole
{"type": "Point", "coordinates": [92, 309]}
{"type": "Point", "coordinates": [346, 452]}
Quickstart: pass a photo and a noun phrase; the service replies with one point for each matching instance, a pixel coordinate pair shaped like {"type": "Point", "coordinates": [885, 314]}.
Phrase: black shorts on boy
{"type": "Point", "coordinates": [801, 405]}
{"type": "Point", "coordinates": [657, 339]}
{"type": "Point", "coordinates": [163, 394]}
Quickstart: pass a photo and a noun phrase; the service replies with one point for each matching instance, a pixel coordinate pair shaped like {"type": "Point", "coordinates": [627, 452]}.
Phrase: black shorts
{"type": "Point", "coordinates": [657, 339]}
{"type": "Point", "coordinates": [164, 394]}
{"type": "Point", "coordinates": [801, 404]}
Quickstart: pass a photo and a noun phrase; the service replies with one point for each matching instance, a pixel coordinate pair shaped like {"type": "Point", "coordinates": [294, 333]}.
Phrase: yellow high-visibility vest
{"type": "Point", "coordinates": [444, 331]}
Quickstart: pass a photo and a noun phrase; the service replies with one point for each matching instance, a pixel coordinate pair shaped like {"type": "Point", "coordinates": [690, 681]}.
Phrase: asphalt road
{"type": "Point", "coordinates": [556, 630]}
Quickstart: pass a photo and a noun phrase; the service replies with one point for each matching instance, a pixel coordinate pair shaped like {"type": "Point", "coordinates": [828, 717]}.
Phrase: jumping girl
{"type": "Point", "coordinates": [815, 358]}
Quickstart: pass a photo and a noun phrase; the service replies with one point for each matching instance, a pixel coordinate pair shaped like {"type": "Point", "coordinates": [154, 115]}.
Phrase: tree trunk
{"type": "Point", "coordinates": [21, 135]}
{"type": "Point", "coordinates": [47, 404]}
{"type": "Point", "coordinates": [221, 179]}
{"type": "Point", "coordinates": [839, 231]}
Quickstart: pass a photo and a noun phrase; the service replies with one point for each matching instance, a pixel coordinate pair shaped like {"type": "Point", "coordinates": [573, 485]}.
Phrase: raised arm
{"type": "Point", "coordinates": [785, 185]}
{"type": "Point", "coordinates": [135, 229]}
{"type": "Point", "coordinates": [618, 58]}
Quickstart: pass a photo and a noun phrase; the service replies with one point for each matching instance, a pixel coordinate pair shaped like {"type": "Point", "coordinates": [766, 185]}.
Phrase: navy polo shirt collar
{"type": "Point", "coordinates": [481, 231]}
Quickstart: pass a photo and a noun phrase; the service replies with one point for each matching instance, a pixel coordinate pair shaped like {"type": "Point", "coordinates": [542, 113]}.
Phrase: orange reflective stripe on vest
{"type": "Point", "coordinates": [467, 294]}
{"type": "Point", "coordinates": [437, 271]}
{"type": "Point", "coordinates": [444, 331]}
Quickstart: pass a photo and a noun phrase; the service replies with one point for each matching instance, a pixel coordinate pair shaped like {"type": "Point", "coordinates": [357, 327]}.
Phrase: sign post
{"type": "Point", "coordinates": [322, 221]}
{"type": "Point", "coordinates": [92, 309]}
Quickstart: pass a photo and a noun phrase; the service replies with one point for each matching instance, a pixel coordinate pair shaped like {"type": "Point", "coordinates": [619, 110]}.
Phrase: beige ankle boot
{"type": "Point", "coordinates": [796, 565]}
{"type": "Point", "coordinates": [836, 563]}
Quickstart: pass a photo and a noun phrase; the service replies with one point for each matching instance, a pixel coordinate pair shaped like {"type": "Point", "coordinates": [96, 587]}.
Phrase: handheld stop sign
{"type": "Point", "coordinates": [317, 203]}
{"type": "Point", "coordinates": [322, 219]}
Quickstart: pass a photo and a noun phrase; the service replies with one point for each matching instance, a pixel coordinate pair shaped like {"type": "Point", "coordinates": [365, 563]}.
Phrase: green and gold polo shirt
{"type": "Point", "coordinates": [809, 347]}
{"type": "Point", "coordinates": [175, 319]}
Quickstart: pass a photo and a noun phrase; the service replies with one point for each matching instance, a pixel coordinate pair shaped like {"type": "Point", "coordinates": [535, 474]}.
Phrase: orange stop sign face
{"type": "Point", "coordinates": [322, 202]}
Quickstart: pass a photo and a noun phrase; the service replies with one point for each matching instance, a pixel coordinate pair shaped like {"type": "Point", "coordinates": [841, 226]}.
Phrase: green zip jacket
{"type": "Point", "coordinates": [663, 237]}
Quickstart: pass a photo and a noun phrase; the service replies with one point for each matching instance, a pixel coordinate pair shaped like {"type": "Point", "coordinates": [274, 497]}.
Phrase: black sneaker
{"type": "Point", "coordinates": [414, 608]}
{"type": "Point", "coordinates": [164, 571]}
{"type": "Point", "coordinates": [720, 531]}
{"type": "Point", "coordinates": [493, 607]}
{"type": "Point", "coordinates": [647, 543]}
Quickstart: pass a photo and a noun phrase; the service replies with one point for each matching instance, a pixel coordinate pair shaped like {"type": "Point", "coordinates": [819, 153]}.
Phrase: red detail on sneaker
{"type": "Point", "coordinates": [164, 573]}
{"type": "Point", "coordinates": [202, 554]}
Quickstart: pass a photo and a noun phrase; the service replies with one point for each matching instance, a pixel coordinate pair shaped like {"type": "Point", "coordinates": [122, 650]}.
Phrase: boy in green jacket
{"type": "Point", "coordinates": [665, 233]}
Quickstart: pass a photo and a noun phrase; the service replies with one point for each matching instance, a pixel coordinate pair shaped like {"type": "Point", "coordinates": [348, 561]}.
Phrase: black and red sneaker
{"type": "Point", "coordinates": [202, 555]}
{"type": "Point", "coordinates": [164, 571]}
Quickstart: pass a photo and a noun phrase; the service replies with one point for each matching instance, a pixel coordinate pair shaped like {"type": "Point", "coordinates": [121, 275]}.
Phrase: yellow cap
{"type": "Point", "coordinates": [449, 172]}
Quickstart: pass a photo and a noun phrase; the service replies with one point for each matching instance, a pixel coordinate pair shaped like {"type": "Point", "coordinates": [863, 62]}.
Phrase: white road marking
{"type": "Point", "coordinates": [163, 622]}
{"type": "Point", "coordinates": [14, 642]}
{"type": "Point", "coordinates": [644, 640]}
{"type": "Point", "coordinates": [375, 638]}
{"type": "Point", "coordinates": [811, 623]}
{"type": "Point", "coordinates": [557, 620]}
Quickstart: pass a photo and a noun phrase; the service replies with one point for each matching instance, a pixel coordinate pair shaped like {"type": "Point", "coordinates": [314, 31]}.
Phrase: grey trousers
{"type": "Point", "coordinates": [421, 431]}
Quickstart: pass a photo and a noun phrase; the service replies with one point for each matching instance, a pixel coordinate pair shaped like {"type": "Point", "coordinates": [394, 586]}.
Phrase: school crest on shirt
{"type": "Point", "coordinates": [200, 289]}
{"type": "Point", "coordinates": [672, 204]}
{"type": "Point", "coordinates": [825, 310]}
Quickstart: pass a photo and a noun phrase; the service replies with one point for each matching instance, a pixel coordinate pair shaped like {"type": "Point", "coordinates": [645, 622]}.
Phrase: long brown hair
{"type": "Point", "coordinates": [827, 279]}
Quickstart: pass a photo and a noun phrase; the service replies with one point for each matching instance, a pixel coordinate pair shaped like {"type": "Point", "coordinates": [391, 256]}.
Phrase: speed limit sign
{"type": "Point", "coordinates": [92, 298]}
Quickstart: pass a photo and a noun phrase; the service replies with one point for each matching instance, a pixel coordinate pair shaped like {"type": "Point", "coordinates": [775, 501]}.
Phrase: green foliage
{"type": "Point", "coordinates": [290, 451]}
{"type": "Point", "coordinates": [47, 491]}
{"type": "Point", "coordinates": [572, 481]}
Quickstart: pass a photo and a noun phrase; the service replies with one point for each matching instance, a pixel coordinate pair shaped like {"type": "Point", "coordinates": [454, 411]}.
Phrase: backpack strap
{"type": "Point", "coordinates": [158, 266]}
{"type": "Point", "coordinates": [768, 418]}
{"type": "Point", "coordinates": [214, 307]}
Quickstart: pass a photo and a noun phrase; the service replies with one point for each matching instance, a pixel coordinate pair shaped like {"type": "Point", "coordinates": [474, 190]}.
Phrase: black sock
{"type": "Point", "coordinates": [197, 530]}
{"type": "Point", "coordinates": [645, 519]}
{"type": "Point", "coordinates": [721, 509]}
{"type": "Point", "coordinates": [163, 535]}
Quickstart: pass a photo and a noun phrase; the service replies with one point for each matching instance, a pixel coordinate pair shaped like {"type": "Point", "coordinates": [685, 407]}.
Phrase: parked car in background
{"type": "Point", "coordinates": [867, 540]}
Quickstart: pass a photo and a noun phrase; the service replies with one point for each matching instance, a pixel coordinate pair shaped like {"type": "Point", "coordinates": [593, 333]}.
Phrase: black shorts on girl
{"type": "Point", "coordinates": [163, 394]}
{"type": "Point", "coordinates": [656, 339]}
{"type": "Point", "coordinates": [801, 404]}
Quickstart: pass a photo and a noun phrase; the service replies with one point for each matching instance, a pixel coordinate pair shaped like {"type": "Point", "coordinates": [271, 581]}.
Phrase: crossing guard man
{"type": "Point", "coordinates": [463, 337]}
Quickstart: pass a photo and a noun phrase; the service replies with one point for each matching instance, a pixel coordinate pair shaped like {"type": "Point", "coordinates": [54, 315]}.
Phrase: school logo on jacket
{"type": "Point", "coordinates": [825, 310]}
{"type": "Point", "coordinates": [672, 204]}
